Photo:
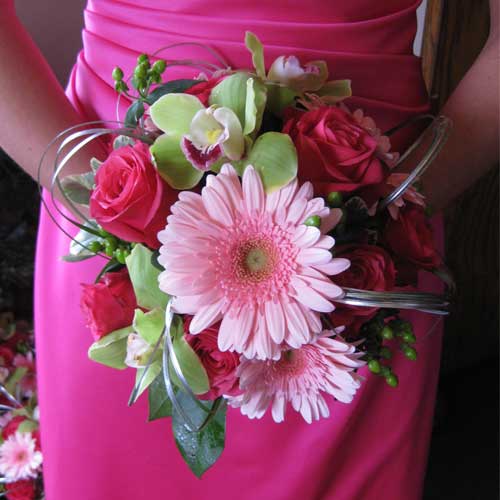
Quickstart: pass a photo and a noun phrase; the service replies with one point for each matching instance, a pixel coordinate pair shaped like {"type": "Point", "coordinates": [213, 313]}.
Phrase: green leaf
{"type": "Point", "coordinates": [78, 187]}
{"type": "Point", "coordinates": [77, 250]}
{"type": "Point", "coordinates": [27, 426]}
{"type": "Point", "coordinates": [172, 164]}
{"type": "Point", "coordinates": [201, 449]}
{"type": "Point", "coordinates": [134, 113]}
{"type": "Point", "coordinates": [175, 86]}
{"type": "Point", "coordinates": [279, 98]}
{"type": "Point", "coordinates": [335, 91]}
{"type": "Point", "coordinates": [274, 156]}
{"type": "Point", "coordinates": [173, 113]}
{"type": "Point", "coordinates": [144, 277]}
{"type": "Point", "coordinates": [123, 140]}
{"type": "Point", "coordinates": [111, 350]}
{"type": "Point", "coordinates": [111, 266]}
{"type": "Point", "coordinates": [160, 405]}
{"type": "Point", "coordinates": [95, 164]}
{"type": "Point", "coordinates": [15, 378]}
{"type": "Point", "coordinates": [152, 372]}
{"type": "Point", "coordinates": [255, 105]}
{"type": "Point", "coordinates": [232, 93]}
{"type": "Point", "coordinates": [192, 369]}
{"type": "Point", "coordinates": [149, 325]}
{"type": "Point", "coordinates": [254, 45]}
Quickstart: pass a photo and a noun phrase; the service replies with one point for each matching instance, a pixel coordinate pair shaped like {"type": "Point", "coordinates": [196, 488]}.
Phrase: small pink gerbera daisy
{"type": "Point", "coordinates": [299, 377]}
{"type": "Point", "coordinates": [236, 255]}
{"type": "Point", "coordinates": [19, 458]}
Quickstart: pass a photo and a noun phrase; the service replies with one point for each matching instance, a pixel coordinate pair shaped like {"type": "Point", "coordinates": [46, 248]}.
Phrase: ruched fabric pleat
{"type": "Point", "coordinates": [95, 447]}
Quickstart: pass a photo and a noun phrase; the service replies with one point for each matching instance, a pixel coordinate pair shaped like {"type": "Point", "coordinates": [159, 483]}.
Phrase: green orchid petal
{"type": "Point", "coordinates": [279, 98]}
{"type": "Point", "coordinates": [231, 93]}
{"type": "Point", "coordinates": [149, 325]}
{"type": "Point", "coordinates": [255, 104]}
{"type": "Point", "coordinates": [253, 44]}
{"type": "Point", "coordinates": [234, 146]}
{"type": "Point", "coordinates": [171, 163]}
{"type": "Point", "coordinates": [111, 350]}
{"type": "Point", "coordinates": [173, 113]}
{"type": "Point", "coordinates": [274, 156]}
{"type": "Point", "coordinates": [335, 91]}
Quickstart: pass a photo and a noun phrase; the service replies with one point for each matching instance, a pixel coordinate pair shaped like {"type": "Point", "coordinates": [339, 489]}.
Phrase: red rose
{"type": "Point", "coordinates": [130, 199]}
{"type": "Point", "coordinates": [6, 356]}
{"type": "Point", "coordinates": [335, 153]}
{"type": "Point", "coordinates": [203, 89]}
{"type": "Point", "coordinates": [109, 304]}
{"type": "Point", "coordinates": [21, 490]}
{"type": "Point", "coordinates": [410, 238]}
{"type": "Point", "coordinates": [371, 269]}
{"type": "Point", "coordinates": [220, 366]}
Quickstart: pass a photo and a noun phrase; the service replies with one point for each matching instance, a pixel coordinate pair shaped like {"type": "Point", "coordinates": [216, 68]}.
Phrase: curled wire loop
{"type": "Point", "coordinates": [170, 360]}
{"type": "Point", "coordinates": [439, 130]}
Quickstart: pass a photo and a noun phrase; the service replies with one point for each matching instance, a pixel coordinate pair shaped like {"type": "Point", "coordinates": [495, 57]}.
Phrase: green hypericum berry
{"type": "Point", "coordinates": [120, 255]}
{"type": "Point", "coordinates": [109, 248]}
{"type": "Point", "coordinates": [385, 352]}
{"type": "Point", "coordinates": [387, 332]}
{"type": "Point", "coordinates": [314, 221]}
{"type": "Point", "coordinates": [334, 199]}
{"type": "Point", "coordinates": [117, 74]}
{"type": "Point", "coordinates": [385, 371]}
{"type": "Point", "coordinates": [121, 86]}
{"type": "Point", "coordinates": [141, 71]}
{"type": "Point", "coordinates": [159, 66]}
{"type": "Point", "coordinates": [95, 246]}
{"type": "Point", "coordinates": [155, 77]}
{"type": "Point", "coordinates": [392, 380]}
{"type": "Point", "coordinates": [374, 366]}
{"type": "Point", "coordinates": [409, 337]}
{"type": "Point", "coordinates": [410, 352]}
{"type": "Point", "coordinates": [143, 58]}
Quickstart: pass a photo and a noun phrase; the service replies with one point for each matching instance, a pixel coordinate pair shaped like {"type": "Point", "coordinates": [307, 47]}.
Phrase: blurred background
{"type": "Point", "coordinates": [463, 462]}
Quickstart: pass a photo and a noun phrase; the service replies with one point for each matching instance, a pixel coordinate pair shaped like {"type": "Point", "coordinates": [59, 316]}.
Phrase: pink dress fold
{"type": "Point", "coordinates": [95, 447]}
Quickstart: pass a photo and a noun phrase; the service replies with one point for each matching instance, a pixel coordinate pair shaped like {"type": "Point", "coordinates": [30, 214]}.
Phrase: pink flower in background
{"type": "Point", "coordinates": [300, 377]}
{"type": "Point", "coordinates": [19, 458]}
{"type": "Point", "coordinates": [28, 382]}
{"type": "Point", "coordinates": [236, 255]}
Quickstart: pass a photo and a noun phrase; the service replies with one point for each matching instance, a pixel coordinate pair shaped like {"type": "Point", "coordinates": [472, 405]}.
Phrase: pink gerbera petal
{"type": "Point", "coordinates": [243, 259]}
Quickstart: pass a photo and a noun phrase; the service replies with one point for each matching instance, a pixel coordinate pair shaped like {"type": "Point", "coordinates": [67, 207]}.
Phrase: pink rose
{"type": "Point", "coordinates": [109, 304]}
{"type": "Point", "coordinates": [130, 199]}
{"type": "Point", "coordinates": [410, 238]}
{"type": "Point", "coordinates": [220, 366]}
{"type": "Point", "coordinates": [371, 269]}
{"type": "Point", "coordinates": [335, 152]}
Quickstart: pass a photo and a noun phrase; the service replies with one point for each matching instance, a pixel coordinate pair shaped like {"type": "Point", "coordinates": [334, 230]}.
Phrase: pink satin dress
{"type": "Point", "coordinates": [95, 447]}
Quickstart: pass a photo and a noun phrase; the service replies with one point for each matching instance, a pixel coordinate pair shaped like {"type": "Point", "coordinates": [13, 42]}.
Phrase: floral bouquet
{"type": "Point", "coordinates": [258, 242]}
{"type": "Point", "coordinates": [20, 453]}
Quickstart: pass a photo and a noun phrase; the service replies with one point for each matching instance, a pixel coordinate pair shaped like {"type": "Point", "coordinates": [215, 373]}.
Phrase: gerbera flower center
{"type": "Point", "coordinates": [254, 260]}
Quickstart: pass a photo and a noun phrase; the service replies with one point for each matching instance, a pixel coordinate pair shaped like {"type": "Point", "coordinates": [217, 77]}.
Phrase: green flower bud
{"type": "Point", "coordinates": [117, 74]}
{"type": "Point", "coordinates": [155, 77]}
{"type": "Point", "coordinates": [385, 371]}
{"type": "Point", "coordinates": [121, 86]}
{"type": "Point", "coordinates": [109, 248]}
{"type": "Point", "coordinates": [314, 221]}
{"type": "Point", "coordinates": [120, 255]}
{"type": "Point", "coordinates": [95, 246]}
{"type": "Point", "coordinates": [159, 66]}
{"type": "Point", "coordinates": [410, 352]}
{"type": "Point", "coordinates": [392, 380]}
{"type": "Point", "coordinates": [374, 366]}
{"type": "Point", "coordinates": [334, 199]}
{"type": "Point", "coordinates": [387, 332]}
{"type": "Point", "coordinates": [385, 353]}
{"type": "Point", "coordinates": [409, 337]}
{"type": "Point", "coordinates": [141, 71]}
{"type": "Point", "coordinates": [143, 58]}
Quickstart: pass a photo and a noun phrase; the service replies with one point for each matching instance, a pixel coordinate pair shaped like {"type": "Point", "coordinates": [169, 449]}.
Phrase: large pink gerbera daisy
{"type": "Point", "coordinates": [238, 255]}
{"type": "Point", "coordinates": [299, 377]}
{"type": "Point", "coordinates": [19, 458]}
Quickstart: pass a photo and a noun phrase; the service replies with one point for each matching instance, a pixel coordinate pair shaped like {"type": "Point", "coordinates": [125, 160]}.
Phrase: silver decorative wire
{"type": "Point", "coordinates": [170, 359]}
{"type": "Point", "coordinates": [440, 129]}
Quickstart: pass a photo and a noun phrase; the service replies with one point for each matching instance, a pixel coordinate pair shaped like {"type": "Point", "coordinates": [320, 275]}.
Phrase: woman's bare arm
{"type": "Point", "coordinates": [34, 107]}
{"type": "Point", "coordinates": [473, 146]}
